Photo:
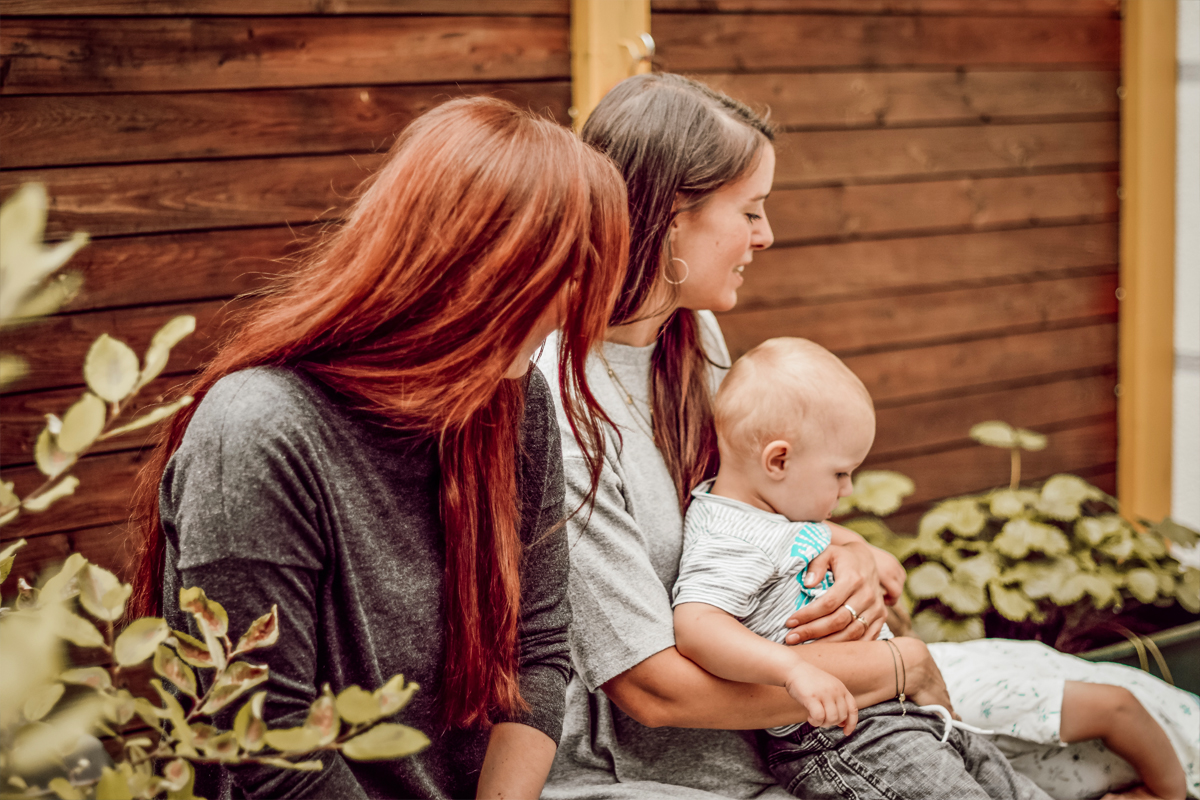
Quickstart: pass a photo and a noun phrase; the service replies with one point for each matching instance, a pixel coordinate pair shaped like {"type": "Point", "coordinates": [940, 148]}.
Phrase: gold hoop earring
{"type": "Point", "coordinates": [687, 272]}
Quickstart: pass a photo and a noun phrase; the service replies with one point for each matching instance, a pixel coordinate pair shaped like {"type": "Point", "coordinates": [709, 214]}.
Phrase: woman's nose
{"type": "Point", "coordinates": [761, 236]}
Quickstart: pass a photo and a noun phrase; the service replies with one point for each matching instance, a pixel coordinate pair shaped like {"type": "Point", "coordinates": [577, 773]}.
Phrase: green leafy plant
{"type": "Point", "coordinates": [46, 707]}
{"type": "Point", "coordinates": [1053, 553]}
{"type": "Point", "coordinates": [114, 376]}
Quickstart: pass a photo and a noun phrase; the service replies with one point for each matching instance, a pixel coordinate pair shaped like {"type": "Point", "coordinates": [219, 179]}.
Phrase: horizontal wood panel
{"type": "Point", "coordinates": [1017, 8]}
{"type": "Point", "coordinates": [762, 42]}
{"type": "Point", "coordinates": [300, 7]}
{"type": "Point", "coordinates": [172, 268]}
{"type": "Point", "coordinates": [939, 423]}
{"type": "Point", "coordinates": [891, 322]}
{"type": "Point", "coordinates": [852, 211]}
{"type": "Point", "coordinates": [974, 469]}
{"type": "Point", "coordinates": [173, 55]}
{"type": "Point", "coordinates": [22, 417]}
{"type": "Point", "coordinates": [106, 546]}
{"type": "Point", "coordinates": [190, 195]}
{"type": "Point", "coordinates": [42, 130]}
{"type": "Point", "coordinates": [105, 488]}
{"type": "Point", "coordinates": [861, 156]}
{"type": "Point", "coordinates": [882, 99]}
{"type": "Point", "coordinates": [925, 373]}
{"type": "Point", "coordinates": [818, 273]}
{"type": "Point", "coordinates": [55, 347]}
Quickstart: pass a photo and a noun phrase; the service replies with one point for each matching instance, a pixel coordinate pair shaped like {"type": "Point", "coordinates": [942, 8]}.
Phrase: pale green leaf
{"type": "Point", "coordinates": [101, 594]}
{"type": "Point", "coordinates": [63, 789]}
{"type": "Point", "coordinates": [1119, 547]}
{"type": "Point", "coordinates": [1187, 590]}
{"type": "Point", "coordinates": [223, 747]}
{"type": "Point", "coordinates": [1142, 584]}
{"type": "Point", "coordinates": [209, 613]}
{"type": "Point", "coordinates": [42, 701]}
{"type": "Point", "coordinates": [25, 262]}
{"type": "Point", "coordinates": [1012, 604]}
{"type": "Point", "coordinates": [191, 649]}
{"type": "Point", "coordinates": [323, 717]}
{"type": "Point", "coordinates": [880, 491]}
{"type": "Point", "coordinates": [7, 555]}
{"type": "Point", "coordinates": [1030, 440]}
{"type": "Point", "coordinates": [358, 706]}
{"type": "Point", "coordinates": [120, 706]}
{"type": "Point", "coordinates": [50, 297]}
{"type": "Point", "coordinates": [1172, 530]}
{"type": "Point", "coordinates": [384, 741]}
{"type": "Point", "coordinates": [171, 667]}
{"type": "Point", "coordinates": [82, 423]}
{"type": "Point", "coordinates": [1094, 530]}
{"type": "Point", "coordinates": [64, 585]}
{"type": "Point", "coordinates": [64, 488]}
{"type": "Point", "coordinates": [395, 694]}
{"type": "Point", "coordinates": [977, 570]}
{"type": "Point", "coordinates": [159, 351]}
{"type": "Point", "coordinates": [293, 740]}
{"type": "Point", "coordinates": [12, 369]}
{"type": "Point", "coordinates": [964, 598]}
{"type": "Point", "coordinates": [51, 460]}
{"type": "Point", "coordinates": [1062, 495]}
{"type": "Point", "coordinates": [1148, 548]}
{"type": "Point", "coordinates": [994, 433]}
{"type": "Point", "coordinates": [75, 629]}
{"type": "Point", "coordinates": [1007, 503]}
{"type": "Point", "coordinates": [111, 368]}
{"type": "Point", "coordinates": [928, 580]}
{"type": "Point", "coordinates": [92, 677]}
{"type": "Point", "coordinates": [962, 630]}
{"type": "Point", "coordinates": [150, 417]}
{"type": "Point", "coordinates": [178, 777]}
{"type": "Point", "coordinates": [248, 725]}
{"type": "Point", "coordinates": [139, 641]}
{"type": "Point", "coordinates": [1019, 536]}
{"type": "Point", "coordinates": [112, 786]}
{"type": "Point", "coordinates": [263, 632]}
{"type": "Point", "coordinates": [961, 516]}
{"type": "Point", "coordinates": [237, 678]}
{"type": "Point", "coordinates": [299, 766]}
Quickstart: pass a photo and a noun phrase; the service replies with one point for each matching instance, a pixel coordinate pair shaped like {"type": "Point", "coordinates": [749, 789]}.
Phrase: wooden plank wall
{"type": "Point", "coordinates": [198, 145]}
{"type": "Point", "coordinates": [945, 213]}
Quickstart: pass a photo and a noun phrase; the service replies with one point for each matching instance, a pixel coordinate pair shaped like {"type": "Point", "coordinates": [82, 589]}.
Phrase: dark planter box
{"type": "Point", "coordinates": [1180, 649]}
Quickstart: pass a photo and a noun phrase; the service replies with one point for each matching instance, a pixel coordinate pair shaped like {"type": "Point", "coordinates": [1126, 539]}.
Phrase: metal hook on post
{"type": "Point", "coordinates": [641, 52]}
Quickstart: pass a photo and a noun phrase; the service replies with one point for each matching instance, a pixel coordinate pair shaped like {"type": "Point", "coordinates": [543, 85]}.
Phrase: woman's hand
{"type": "Point", "coordinates": [856, 583]}
{"type": "Point", "coordinates": [919, 678]}
{"type": "Point", "coordinates": [891, 575]}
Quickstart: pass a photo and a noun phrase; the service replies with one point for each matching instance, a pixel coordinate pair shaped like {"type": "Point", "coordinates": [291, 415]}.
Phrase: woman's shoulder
{"type": "Point", "coordinates": [260, 402]}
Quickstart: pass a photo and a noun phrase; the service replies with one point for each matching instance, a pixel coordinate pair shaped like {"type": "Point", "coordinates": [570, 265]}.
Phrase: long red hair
{"type": "Point", "coordinates": [482, 217]}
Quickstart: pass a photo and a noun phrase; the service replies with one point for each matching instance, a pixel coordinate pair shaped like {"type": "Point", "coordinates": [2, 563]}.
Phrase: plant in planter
{"type": "Point", "coordinates": [1026, 562]}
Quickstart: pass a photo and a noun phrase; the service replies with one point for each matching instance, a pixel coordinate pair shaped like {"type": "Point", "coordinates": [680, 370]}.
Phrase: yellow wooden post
{"type": "Point", "coordinates": [1147, 258]}
{"type": "Point", "coordinates": [607, 46]}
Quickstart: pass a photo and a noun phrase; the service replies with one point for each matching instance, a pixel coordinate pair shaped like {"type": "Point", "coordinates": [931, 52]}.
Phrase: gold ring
{"type": "Point", "coordinates": [853, 613]}
{"type": "Point", "coordinates": [863, 621]}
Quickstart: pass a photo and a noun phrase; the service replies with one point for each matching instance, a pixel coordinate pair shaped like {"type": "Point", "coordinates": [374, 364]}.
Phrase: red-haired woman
{"type": "Point", "coordinates": [373, 453]}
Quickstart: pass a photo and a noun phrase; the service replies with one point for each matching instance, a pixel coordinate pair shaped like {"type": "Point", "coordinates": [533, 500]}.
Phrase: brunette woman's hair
{"type": "Point", "coordinates": [483, 217]}
{"type": "Point", "coordinates": [676, 142]}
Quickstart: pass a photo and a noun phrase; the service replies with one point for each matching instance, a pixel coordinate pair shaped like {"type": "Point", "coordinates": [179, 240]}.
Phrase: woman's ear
{"type": "Point", "coordinates": [774, 459]}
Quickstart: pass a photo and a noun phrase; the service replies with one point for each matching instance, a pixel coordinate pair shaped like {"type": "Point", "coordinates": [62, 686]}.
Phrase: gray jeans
{"type": "Point", "coordinates": [891, 756]}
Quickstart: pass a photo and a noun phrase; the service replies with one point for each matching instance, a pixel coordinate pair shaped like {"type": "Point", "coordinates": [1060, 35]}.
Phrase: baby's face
{"type": "Point", "coordinates": [818, 473]}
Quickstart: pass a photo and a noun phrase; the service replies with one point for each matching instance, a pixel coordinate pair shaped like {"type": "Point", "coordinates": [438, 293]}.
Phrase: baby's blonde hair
{"type": "Point", "coordinates": [777, 390]}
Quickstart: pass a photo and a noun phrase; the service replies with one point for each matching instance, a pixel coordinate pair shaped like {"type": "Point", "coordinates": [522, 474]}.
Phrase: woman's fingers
{"type": "Point", "coordinates": [818, 567]}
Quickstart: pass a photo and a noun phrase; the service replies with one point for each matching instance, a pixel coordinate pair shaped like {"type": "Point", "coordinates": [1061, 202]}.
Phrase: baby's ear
{"type": "Point", "coordinates": [774, 459]}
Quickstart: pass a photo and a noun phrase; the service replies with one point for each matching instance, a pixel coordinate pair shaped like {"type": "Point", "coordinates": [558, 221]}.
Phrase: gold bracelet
{"type": "Point", "coordinates": [899, 669]}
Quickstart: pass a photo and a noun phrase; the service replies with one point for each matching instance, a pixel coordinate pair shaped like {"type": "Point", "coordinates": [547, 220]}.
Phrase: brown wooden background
{"type": "Point", "coordinates": [945, 213]}
{"type": "Point", "coordinates": [197, 145]}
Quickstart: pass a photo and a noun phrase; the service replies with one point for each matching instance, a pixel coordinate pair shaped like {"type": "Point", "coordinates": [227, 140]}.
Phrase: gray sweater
{"type": "Point", "coordinates": [279, 494]}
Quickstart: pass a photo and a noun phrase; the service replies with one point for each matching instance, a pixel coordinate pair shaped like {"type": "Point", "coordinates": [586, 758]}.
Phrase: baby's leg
{"type": "Point", "coordinates": [891, 756]}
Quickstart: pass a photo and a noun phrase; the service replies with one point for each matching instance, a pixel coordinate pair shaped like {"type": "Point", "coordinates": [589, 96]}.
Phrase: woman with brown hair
{"type": "Point", "coordinates": [372, 452]}
{"type": "Point", "coordinates": [642, 720]}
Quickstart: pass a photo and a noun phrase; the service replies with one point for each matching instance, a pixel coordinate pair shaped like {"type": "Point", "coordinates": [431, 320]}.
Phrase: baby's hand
{"type": "Point", "coordinates": [1136, 793]}
{"type": "Point", "coordinates": [825, 698]}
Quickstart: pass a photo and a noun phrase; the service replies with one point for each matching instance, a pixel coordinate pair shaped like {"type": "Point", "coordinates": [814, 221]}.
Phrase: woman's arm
{"type": "Point", "coordinates": [667, 689]}
{"type": "Point", "coordinates": [517, 762]}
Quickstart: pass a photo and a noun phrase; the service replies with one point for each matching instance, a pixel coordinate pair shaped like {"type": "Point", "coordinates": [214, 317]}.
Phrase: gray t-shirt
{"type": "Point", "coordinates": [281, 494]}
{"type": "Point", "coordinates": [624, 560]}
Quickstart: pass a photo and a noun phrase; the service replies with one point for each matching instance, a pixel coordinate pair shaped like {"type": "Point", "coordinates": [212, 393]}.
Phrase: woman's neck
{"type": "Point", "coordinates": [639, 333]}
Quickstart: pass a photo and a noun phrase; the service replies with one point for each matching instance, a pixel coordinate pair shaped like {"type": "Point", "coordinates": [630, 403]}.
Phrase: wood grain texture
{"type": "Point", "coordinates": [944, 423]}
{"type": "Point", "coordinates": [55, 347]}
{"type": "Point", "coordinates": [106, 485]}
{"type": "Point", "coordinates": [1018, 8]}
{"type": "Point", "coordinates": [883, 99]}
{"type": "Point", "coordinates": [124, 8]}
{"type": "Point", "coordinates": [974, 469]}
{"type": "Point", "coordinates": [848, 212]}
{"type": "Point", "coordinates": [190, 195]}
{"type": "Point", "coordinates": [926, 373]}
{"type": "Point", "coordinates": [23, 416]}
{"type": "Point", "coordinates": [820, 273]}
{"type": "Point", "coordinates": [173, 268]}
{"type": "Point", "coordinates": [106, 546]}
{"type": "Point", "coordinates": [911, 319]}
{"type": "Point", "coordinates": [42, 130]}
{"type": "Point", "coordinates": [54, 55]}
{"type": "Point", "coordinates": [771, 42]}
{"type": "Point", "coordinates": [862, 156]}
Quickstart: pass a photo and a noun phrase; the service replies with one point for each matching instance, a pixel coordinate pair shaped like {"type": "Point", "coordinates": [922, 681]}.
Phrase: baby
{"type": "Point", "coordinates": [793, 423]}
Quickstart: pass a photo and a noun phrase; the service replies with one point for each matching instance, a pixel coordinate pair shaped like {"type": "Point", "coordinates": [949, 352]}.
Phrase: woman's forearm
{"type": "Point", "coordinates": [669, 690]}
{"type": "Point", "coordinates": [516, 764]}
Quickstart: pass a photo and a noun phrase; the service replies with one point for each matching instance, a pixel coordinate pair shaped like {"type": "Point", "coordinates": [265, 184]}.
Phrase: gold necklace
{"type": "Point", "coordinates": [638, 416]}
